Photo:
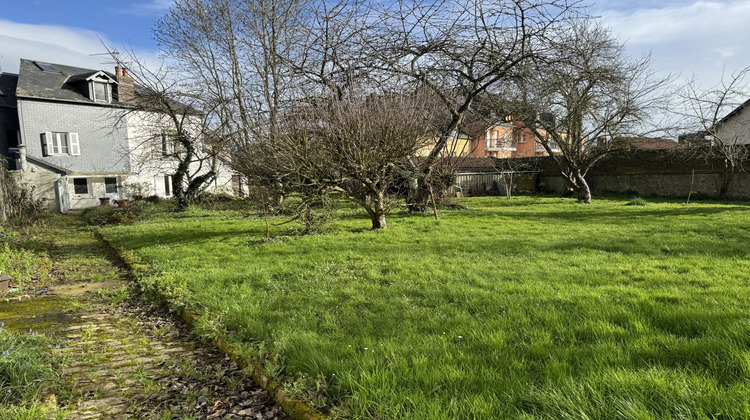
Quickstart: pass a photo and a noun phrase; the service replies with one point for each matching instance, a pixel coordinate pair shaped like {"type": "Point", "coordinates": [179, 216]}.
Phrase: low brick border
{"type": "Point", "coordinates": [294, 408]}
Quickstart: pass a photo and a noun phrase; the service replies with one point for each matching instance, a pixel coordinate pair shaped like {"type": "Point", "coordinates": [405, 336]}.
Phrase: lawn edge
{"type": "Point", "coordinates": [296, 409]}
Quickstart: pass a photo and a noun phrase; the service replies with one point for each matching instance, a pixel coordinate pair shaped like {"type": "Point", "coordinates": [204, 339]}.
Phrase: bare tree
{"type": "Point", "coordinates": [719, 123]}
{"type": "Point", "coordinates": [459, 49]}
{"type": "Point", "coordinates": [171, 125]}
{"type": "Point", "coordinates": [351, 145]}
{"type": "Point", "coordinates": [585, 98]}
{"type": "Point", "coordinates": [511, 169]}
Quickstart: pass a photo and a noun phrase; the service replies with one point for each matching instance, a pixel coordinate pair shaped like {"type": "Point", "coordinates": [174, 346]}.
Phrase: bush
{"type": "Point", "coordinates": [104, 215]}
{"type": "Point", "coordinates": [222, 202]}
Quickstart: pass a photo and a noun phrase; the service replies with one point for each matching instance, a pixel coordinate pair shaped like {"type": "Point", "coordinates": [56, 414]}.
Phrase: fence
{"type": "Point", "coordinates": [492, 183]}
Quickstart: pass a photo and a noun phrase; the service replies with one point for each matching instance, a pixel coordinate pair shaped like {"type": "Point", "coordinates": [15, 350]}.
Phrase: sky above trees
{"type": "Point", "coordinates": [685, 37]}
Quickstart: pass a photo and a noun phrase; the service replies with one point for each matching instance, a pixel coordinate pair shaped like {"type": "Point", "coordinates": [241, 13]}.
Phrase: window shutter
{"type": "Point", "coordinates": [75, 146]}
{"type": "Point", "coordinates": [47, 143]}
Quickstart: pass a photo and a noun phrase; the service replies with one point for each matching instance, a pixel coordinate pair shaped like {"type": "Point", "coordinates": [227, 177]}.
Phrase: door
{"type": "Point", "coordinates": [111, 188]}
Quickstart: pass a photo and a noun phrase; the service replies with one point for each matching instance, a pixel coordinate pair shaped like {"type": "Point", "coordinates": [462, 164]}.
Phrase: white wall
{"type": "Point", "coordinates": [737, 129]}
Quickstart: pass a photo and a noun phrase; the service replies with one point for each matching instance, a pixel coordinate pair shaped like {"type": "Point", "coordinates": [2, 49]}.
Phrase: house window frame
{"type": "Point", "coordinates": [108, 184]}
{"type": "Point", "coordinates": [59, 143]}
{"type": "Point", "coordinates": [107, 92]}
{"type": "Point", "coordinates": [168, 143]}
{"type": "Point", "coordinates": [168, 186]}
{"type": "Point", "coordinates": [75, 187]}
{"type": "Point", "coordinates": [59, 139]}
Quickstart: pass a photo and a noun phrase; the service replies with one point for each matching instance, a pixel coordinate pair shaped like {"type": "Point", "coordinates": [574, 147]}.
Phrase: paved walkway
{"type": "Point", "coordinates": [131, 361]}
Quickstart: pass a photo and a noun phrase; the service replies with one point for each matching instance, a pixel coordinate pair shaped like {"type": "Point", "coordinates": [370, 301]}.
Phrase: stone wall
{"type": "Point", "coordinates": [654, 172]}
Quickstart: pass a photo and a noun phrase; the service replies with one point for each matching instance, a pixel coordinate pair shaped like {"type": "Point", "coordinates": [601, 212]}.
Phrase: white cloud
{"type": "Point", "coordinates": [147, 8]}
{"type": "Point", "coordinates": [704, 38]}
{"type": "Point", "coordinates": [55, 44]}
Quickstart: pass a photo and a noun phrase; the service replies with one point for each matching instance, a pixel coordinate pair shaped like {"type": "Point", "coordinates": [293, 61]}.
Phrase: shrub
{"type": "Point", "coordinates": [222, 202]}
{"type": "Point", "coordinates": [104, 215]}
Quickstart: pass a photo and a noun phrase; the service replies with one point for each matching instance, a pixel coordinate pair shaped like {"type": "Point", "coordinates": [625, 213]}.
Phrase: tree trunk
{"type": "Point", "coordinates": [278, 196]}
{"type": "Point", "coordinates": [725, 180]}
{"type": "Point", "coordinates": [378, 215]}
{"type": "Point", "coordinates": [582, 188]}
{"type": "Point", "coordinates": [419, 193]}
{"type": "Point", "coordinates": [378, 221]}
{"type": "Point", "coordinates": [411, 198]}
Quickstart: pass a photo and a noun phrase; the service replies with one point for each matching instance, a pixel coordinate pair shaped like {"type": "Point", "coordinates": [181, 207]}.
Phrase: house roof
{"type": "Point", "coordinates": [650, 143]}
{"type": "Point", "coordinates": [8, 82]}
{"type": "Point", "coordinates": [464, 163]}
{"type": "Point", "coordinates": [90, 76]}
{"type": "Point", "coordinates": [38, 80]}
{"type": "Point", "coordinates": [51, 167]}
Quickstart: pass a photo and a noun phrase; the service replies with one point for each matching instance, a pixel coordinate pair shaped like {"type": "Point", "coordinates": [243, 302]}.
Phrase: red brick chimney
{"type": "Point", "coordinates": [125, 91]}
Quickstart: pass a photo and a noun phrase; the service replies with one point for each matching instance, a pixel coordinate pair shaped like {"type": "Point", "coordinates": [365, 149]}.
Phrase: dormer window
{"type": "Point", "coordinates": [100, 92]}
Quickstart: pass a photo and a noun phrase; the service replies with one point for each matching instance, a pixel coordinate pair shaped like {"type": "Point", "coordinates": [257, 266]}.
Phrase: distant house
{"type": "Point", "coordinates": [460, 144]}
{"type": "Point", "coordinates": [734, 128]}
{"type": "Point", "coordinates": [67, 131]}
{"type": "Point", "coordinates": [498, 140]}
{"type": "Point", "coordinates": [508, 140]}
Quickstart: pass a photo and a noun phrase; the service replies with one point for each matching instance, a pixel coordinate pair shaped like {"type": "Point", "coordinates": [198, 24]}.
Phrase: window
{"type": "Point", "coordinates": [100, 92]}
{"type": "Point", "coordinates": [45, 66]}
{"type": "Point", "coordinates": [81, 185]}
{"type": "Point", "coordinates": [167, 144]}
{"type": "Point", "coordinates": [168, 185]}
{"type": "Point", "coordinates": [110, 185]}
{"type": "Point", "coordinates": [56, 143]}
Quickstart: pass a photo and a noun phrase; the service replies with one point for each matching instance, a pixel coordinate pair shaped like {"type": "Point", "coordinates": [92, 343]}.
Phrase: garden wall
{"type": "Point", "coordinates": [653, 172]}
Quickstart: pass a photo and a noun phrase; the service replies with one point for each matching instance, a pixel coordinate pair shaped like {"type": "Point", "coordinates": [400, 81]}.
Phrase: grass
{"type": "Point", "coordinates": [529, 308]}
{"type": "Point", "coordinates": [27, 370]}
{"type": "Point", "coordinates": [62, 250]}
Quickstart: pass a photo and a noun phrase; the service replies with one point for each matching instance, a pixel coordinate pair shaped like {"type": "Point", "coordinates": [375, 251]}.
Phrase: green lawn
{"type": "Point", "coordinates": [537, 307]}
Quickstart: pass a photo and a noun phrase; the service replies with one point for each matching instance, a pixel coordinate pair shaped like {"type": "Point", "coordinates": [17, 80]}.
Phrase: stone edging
{"type": "Point", "coordinates": [296, 409]}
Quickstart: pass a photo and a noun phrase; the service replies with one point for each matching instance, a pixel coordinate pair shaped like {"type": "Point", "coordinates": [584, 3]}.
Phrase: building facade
{"type": "Point", "coordinates": [76, 140]}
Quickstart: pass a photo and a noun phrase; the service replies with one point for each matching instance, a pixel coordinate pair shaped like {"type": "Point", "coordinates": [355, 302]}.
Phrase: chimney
{"type": "Point", "coordinates": [125, 91]}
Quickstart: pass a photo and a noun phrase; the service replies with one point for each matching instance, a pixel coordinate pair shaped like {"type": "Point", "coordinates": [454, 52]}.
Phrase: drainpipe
{"type": "Point", "coordinates": [22, 164]}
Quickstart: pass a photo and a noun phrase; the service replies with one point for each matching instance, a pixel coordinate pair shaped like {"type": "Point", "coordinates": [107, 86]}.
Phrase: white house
{"type": "Point", "coordinates": [734, 128]}
{"type": "Point", "coordinates": [74, 137]}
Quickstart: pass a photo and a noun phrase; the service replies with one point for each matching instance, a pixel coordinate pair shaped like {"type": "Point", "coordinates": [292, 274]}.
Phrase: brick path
{"type": "Point", "coordinates": [125, 364]}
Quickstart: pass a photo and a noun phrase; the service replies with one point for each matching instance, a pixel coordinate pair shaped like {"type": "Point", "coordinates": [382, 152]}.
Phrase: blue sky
{"type": "Point", "coordinates": [686, 37]}
{"type": "Point", "coordinates": [69, 32]}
